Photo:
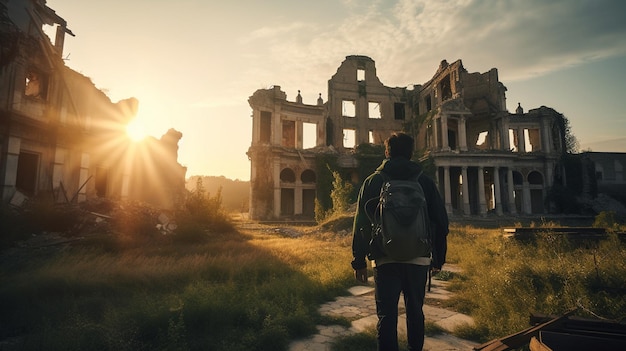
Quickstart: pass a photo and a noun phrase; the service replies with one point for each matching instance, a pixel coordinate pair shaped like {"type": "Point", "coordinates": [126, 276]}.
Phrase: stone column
{"type": "Point", "coordinates": [511, 191]}
{"type": "Point", "coordinates": [58, 173]}
{"type": "Point", "coordinates": [299, 134]}
{"type": "Point", "coordinates": [462, 134]}
{"type": "Point", "coordinates": [466, 204]}
{"type": "Point", "coordinates": [481, 191]}
{"type": "Point", "coordinates": [496, 186]}
{"type": "Point", "coordinates": [526, 205]}
{"type": "Point", "coordinates": [13, 146]}
{"type": "Point", "coordinates": [521, 141]}
{"type": "Point", "coordinates": [546, 141]}
{"type": "Point", "coordinates": [297, 194]}
{"type": "Point", "coordinates": [276, 177]}
{"type": "Point", "coordinates": [446, 185]}
{"type": "Point", "coordinates": [444, 132]}
{"type": "Point", "coordinates": [506, 143]}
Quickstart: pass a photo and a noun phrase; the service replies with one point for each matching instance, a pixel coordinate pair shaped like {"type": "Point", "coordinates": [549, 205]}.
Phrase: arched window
{"type": "Point", "coordinates": [287, 175]}
{"type": "Point", "coordinates": [535, 178]}
{"type": "Point", "coordinates": [308, 176]}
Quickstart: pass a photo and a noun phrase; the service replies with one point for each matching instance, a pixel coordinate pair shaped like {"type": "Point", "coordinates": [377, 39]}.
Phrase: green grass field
{"type": "Point", "coordinates": [258, 289]}
{"type": "Point", "coordinates": [237, 291]}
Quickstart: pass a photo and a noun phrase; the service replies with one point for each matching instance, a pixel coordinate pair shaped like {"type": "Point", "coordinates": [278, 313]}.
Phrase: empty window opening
{"type": "Point", "coordinates": [360, 74]}
{"type": "Point", "coordinates": [308, 176]}
{"type": "Point", "coordinates": [398, 111]}
{"type": "Point", "coordinates": [371, 137]}
{"type": "Point", "coordinates": [374, 110]}
{"type": "Point", "coordinates": [287, 175]}
{"type": "Point", "coordinates": [27, 168]}
{"type": "Point", "coordinates": [527, 145]}
{"type": "Point", "coordinates": [50, 31]}
{"type": "Point", "coordinates": [429, 103]}
{"type": "Point", "coordinates": [289, 134]}
{"type": "Point", "coordinates": [287, 202]}
{"type": "Point", "coordinates": [348, 108]}
{"type": "Point", "coordinates": [513, 140]}
{"type": "Point", "coordinates": [533, 140]}
{"type": "Point", "coordinates": [308, 202]}
{"type": "Point", "coordinates": [266, 126]}
{"type": "Point", "coordinates": [482, 142]}
{"type": "Point", "coordinates": [349, 138]}
{"type": "Point", "coordinates": [35, 85]}
{"type": "Point", "coordinates": [518, 179]}
{"type": "Point", "coordinates": [330, 131]}
{"type": "Point", "coordinates": [452, 139]}
{"type": "Point", "coordinates": [309, 135]}
{"type": "Point", "coordinates": [446, 91]}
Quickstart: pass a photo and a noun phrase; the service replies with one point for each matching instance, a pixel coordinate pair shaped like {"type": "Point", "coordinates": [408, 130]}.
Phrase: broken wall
{"type": "Point", "coordinates": [486, 160]}
{"type": "Point", "coordinates": [283, 172]}
{"type": "Point", "coordinates": [60, 136]}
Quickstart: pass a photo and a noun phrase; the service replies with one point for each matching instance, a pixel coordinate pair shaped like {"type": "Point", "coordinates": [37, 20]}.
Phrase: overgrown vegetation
{"type": "Point", "coordinates": [200, 214]}
{"type": "Point", "coordinates": [341, 195]}
{"type": "Point", "coordinates": [118, 225]}
{"type": "Point", "coordinates": [254, 290]}
{"type": "Point", "coordinates": [237, 291]}
{"type": "Point", "coordinates": [235, 193]}
{"type": "Point", "coordinates": [505, 280]}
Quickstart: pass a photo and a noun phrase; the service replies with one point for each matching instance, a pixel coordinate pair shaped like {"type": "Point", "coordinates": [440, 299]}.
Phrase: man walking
{"type": "Point", "coordinates": [392, 277]}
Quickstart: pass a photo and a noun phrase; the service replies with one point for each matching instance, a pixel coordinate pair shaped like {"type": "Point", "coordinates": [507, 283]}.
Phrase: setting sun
{"type": "Point", "coordinates": [135, 130]}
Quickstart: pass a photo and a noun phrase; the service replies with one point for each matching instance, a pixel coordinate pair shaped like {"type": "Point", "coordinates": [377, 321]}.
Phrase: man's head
{"type": "Point", "coordinates": [399, 144]}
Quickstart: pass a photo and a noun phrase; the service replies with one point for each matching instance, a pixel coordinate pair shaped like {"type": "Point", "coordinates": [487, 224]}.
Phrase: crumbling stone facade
{"type": "Point", "coordinates": [608, 173]}
{"type": "Point", "coordinates": [62, 137]}
{"type": "Point", "coordinates": [486, 159]}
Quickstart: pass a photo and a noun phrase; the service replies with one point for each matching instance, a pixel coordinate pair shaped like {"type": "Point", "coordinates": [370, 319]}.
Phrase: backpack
{"type": "Point", "coordinates": [401, 225]}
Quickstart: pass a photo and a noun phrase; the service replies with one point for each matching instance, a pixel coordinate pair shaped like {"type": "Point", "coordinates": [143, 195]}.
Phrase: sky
{"type": "Point", "coordinates": [193, 64]}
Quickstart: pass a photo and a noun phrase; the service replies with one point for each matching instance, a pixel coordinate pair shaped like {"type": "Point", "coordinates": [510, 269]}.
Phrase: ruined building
{"type": "Point", "coordinates": [486, 159]}
{"type": "Point", "coordinates": [60, 136]}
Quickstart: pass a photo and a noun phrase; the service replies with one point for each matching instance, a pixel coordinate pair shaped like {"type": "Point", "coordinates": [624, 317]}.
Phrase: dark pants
{"type": "Point", "coordinates": [391, 279]}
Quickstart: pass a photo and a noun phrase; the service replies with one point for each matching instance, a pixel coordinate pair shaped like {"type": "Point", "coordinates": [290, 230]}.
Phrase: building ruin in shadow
{"type": "Point", "coordinates": [62, 137]}
{"type": "Point", "coordinates": [485, 159]}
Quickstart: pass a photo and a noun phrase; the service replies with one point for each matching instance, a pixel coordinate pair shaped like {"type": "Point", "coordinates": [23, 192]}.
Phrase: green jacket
{"type": "Point", "coordinates": [396, 168]}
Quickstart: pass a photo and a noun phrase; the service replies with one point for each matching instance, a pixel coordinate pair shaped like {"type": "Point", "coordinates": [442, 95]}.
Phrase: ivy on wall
{"type": "Point", "coordinates": [325, 164]}
{"type": "Point", "coordinates": [369, 157]}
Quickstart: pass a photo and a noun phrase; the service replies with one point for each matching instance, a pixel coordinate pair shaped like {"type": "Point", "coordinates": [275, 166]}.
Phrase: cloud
{"type": "Point", "coordinates": [408, 38]}
{"type": "Point", "coordinates": [274, 33]}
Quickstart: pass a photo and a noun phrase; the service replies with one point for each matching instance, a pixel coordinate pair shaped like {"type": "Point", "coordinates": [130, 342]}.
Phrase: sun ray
{"type": "Point", "coordinates": [136, 130]}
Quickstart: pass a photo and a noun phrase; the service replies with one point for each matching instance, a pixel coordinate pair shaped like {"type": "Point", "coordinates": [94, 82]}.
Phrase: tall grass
{"type": "Point", "coordinates": [505, 280]}
{"type": "Point", "coordinates": [236, 291]}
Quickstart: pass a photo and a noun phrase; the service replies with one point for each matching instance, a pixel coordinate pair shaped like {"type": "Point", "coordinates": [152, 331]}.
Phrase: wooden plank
{"type": "Point", "coordinates": [574, 342]}
{"type": "Point", "coordinates": [536, 345]}
{"type": "Point", "coordinates": [521, 338]}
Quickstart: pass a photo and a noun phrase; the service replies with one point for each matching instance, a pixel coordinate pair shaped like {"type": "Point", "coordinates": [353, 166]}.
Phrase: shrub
{"type": "Point", "coordinates": [341, 196]}
{"type": "Point", "coordinates": [341, 193]}
{"type": "Point", "coordinates": [200, 212]}
{"type": "Point", "coordinates": [608, 220]}
{"type": "Point", "coordinates": [504, 280]}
